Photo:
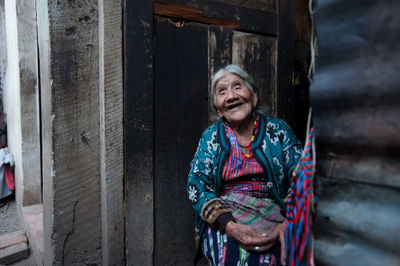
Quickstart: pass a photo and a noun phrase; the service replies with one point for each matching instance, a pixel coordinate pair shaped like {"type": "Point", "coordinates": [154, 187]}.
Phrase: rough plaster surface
{"type": "Point", "coordinates": [70, 115]}
{"type": "Point", "coordinates": [29, 93]}
{"type": "Point", "coordinates": [21, 99]}
{"type": "Point", "coordinates": [11, 94]}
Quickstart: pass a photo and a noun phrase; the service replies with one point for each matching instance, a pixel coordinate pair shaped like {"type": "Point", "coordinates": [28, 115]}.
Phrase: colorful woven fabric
{"type": "Point", "coordinates": [238, 164]}
{"type": "Point", "coordinates": [260, 213]}
{"type": "Point", "coordinates": [219, 249]}
{"type": "Point", "coordinates": [302, 198]}
{"type": "Point", "coordinates": [254, 188]}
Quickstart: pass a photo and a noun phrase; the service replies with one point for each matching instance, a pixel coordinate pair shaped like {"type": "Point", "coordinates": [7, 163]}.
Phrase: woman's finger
{"type": "Point", "coordinates": [283, 246]}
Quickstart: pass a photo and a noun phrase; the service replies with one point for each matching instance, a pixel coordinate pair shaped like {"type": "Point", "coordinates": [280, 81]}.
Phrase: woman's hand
{"type": "Point", "coordinates": [278, 233]}
{"type": "Point", "coordinates": [248, 238]}
{"type": "Point", "coordinates": [251, 240]}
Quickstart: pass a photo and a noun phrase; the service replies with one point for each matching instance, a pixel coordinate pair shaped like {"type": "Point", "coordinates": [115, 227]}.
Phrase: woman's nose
{"type": "Point", "coordinates": [230, 94]}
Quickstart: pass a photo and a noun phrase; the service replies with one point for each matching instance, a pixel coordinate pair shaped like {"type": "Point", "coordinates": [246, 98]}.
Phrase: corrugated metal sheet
{"type": "Point", "coordinates": [356, 102]}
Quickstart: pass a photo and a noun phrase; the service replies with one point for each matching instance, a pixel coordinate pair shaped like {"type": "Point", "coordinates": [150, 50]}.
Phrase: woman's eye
{"type": "Point", "coordinates": [221, 92]}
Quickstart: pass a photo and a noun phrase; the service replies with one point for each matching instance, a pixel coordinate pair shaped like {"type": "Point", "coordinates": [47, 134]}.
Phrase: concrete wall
{"type": "Point", "coordinates": [81, 101]}
{"type": "Point", "coordinates": [11, 94]}
{"type": "Point", "coordinates": [29, 93]}
{"type": "Point", "coordinates": [3, 50]}
{"type": "Point", "coordinates": [21, 102]}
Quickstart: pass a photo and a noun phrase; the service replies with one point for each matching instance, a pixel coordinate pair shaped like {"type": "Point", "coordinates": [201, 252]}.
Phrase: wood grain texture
{"type": "Point", "coordinates": [111, 131]}
{"type": "Point", "coordinates": [263, 5]}
{"type": "Point", "coordinates": [180, 104]}
{"type": "Point", "coordinates": [14, 253]}
{"type": "Point", "coordinates": [191, 13]}
{"type": "Point", "coordinates": [285, 94]}
{"type": "Point", "coordinates": [257, 54]}
{"type": "Point", "coordinates": [138, 131]}
{"type": "Point", "coordinates": [11, 239]}
{"type": "Point", "coordinates": [73, 233]}
{"type": "Point", "coordinates": [220, 14]}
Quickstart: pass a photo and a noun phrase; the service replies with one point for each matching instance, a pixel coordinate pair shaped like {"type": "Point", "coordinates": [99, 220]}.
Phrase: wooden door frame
{"type": "Point", "coordinates": [139, 112]}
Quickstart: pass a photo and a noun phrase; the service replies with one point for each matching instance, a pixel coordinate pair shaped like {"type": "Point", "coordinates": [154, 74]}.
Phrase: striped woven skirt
{"type": "Point", "coordinates": [260, 213]}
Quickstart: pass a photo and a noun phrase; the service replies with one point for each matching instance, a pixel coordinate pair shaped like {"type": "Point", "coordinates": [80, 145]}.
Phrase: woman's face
{"type": "Point", "coordinates": [233, 98]}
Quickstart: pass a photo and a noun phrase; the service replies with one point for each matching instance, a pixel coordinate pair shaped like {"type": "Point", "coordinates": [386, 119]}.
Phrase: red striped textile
{"type": "Point", "coordinates": [302, 198]}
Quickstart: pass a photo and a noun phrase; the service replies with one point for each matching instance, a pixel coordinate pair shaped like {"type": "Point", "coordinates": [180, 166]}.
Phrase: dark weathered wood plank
{"type": "Point", "coordinates": [285, 93]}
{"type": "Point", "coordinates": [256, 53]}
{"type": "Point", "coordinates": [220, 48]}
{"type": "Point", "coordinates": [219, 55]}
{"type": "Point", "coordinates": [180, 100]}
{"type": "Point", "coordinates": [14, 253]}
{"type": "Point", "coordinates": [13, 238]}
{"type": "Point", "coordinates": [192, 14]}
{"type": "Point", "coordinates": [263, 5]}
{"type": "Point", "coordinates": [220, 14]}
{"type": "Point", "coordinates": [138, 128]}
{"type": "Point", "coordinates": [68, 47]}
{"type": "Point", "coordinates": [111, 128]}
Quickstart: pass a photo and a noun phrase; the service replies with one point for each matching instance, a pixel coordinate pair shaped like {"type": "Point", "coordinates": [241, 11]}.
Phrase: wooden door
{"type": "Point", "coordinates": [172, 50]}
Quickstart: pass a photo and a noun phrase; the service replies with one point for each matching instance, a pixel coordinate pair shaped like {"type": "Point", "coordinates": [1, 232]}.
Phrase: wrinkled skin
{"type": "Point", "coordinates": [234, 100]}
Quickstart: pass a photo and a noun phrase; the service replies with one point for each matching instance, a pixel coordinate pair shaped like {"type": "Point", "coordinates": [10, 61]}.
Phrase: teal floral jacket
{"type": "Point", "coordinates": [275, 147]}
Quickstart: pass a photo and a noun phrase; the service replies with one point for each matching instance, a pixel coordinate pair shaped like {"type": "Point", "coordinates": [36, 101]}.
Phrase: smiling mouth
{"type": "Point", "coordinates": [234, 106]}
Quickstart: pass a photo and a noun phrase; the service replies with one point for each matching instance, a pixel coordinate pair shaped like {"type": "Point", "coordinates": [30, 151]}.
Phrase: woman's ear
{"type": "Point", "coordinates": [254, 98]}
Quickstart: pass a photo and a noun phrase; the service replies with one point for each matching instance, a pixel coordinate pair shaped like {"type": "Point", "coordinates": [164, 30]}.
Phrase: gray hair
{"type": "Point", "coordinates": [241, 73]}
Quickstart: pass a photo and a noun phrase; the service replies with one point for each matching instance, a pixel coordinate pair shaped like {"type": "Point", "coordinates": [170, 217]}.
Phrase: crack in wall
{"type": "Point", "coordinates": [67, 236]}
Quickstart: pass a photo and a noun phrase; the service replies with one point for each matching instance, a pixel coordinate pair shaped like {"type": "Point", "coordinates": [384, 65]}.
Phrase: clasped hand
{"type": "Point", "coordinates": [251, 240]}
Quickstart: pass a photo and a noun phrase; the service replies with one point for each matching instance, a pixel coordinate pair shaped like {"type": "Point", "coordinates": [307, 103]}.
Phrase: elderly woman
{"type": "Point", "coordinates": [240, 176]}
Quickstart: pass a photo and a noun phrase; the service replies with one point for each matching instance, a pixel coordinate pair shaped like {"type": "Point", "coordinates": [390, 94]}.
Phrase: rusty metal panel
{"type": "Point", "coordinates": [355, 96]}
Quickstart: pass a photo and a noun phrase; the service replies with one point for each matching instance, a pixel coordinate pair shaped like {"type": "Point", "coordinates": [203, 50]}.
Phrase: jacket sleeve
{"type": "Point", "coordinates": [200, 186]}
{"type": "Point", "coordinates": [291, 148]}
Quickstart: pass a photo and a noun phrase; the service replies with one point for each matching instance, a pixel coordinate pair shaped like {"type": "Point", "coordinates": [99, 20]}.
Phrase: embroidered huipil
{"type": "Point", "coordinates": [242, 174]}
{"type": "Point", "coordinates": [275, 148]}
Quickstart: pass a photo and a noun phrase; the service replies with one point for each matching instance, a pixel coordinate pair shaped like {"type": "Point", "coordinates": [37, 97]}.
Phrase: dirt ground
{"type": "Point", "coordinates": [10, 222]}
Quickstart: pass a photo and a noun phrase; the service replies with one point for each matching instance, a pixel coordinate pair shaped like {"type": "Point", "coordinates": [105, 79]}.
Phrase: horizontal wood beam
{"type": "Point", "coordinates": [191, 13]}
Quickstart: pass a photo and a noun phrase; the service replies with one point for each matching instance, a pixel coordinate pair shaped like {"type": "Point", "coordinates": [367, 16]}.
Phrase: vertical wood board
{"type": "Point", "coordinates": [285, 94]}
{"type": "Point", "coordinates": [111, 131]}
{"type": "Point", "coordinates": [75, 226]}
{"type": "Point", "coordinates": [180, 117]}
{"type": "Point", "coordinates": [219, 55]}
{"type": "Point", "coordinates": [257, 55]}
{"type": "Point", "coordinates": [138, 131]}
